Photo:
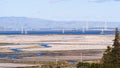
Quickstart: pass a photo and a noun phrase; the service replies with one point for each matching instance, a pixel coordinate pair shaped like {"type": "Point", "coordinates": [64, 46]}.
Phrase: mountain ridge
{"type": "Point", "coordinates": [36, 23]}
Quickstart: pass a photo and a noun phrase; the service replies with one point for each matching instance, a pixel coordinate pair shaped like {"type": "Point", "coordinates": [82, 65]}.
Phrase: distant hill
{"type": "Point", "coordinates": [36, 23]}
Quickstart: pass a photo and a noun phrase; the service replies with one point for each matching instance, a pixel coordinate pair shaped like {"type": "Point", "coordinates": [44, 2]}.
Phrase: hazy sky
{"type": "Point", "coordinates": [82, 10]}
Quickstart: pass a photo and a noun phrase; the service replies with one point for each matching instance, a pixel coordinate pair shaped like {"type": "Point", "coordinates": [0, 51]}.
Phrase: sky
{"type": "Point", "coordinates": [63, 10]}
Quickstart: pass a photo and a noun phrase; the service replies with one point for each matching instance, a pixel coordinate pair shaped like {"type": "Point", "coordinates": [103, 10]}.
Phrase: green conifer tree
{"type": "Point", "coordinates": [111, 57]}
{"type": "Point", "coordinates": [107, 55]}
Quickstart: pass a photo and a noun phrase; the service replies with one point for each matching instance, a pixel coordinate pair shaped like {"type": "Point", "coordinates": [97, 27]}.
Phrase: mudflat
{"type": "Point", "coordinates": [60, 47]}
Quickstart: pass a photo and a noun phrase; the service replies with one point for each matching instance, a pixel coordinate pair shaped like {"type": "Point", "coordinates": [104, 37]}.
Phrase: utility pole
{"type": "Point", "coordinates": [105, 26]}
{"type": "Point", "coordinates": [63, 31]}
{"type": "Point", "coordinates": [83, 29]}
{"type": "Point", "coordinates": [25, 31]}
{"type": "Point", "coordinates": [22, 30]}
{"type": "Point", "coordinates": [102, 31]}
{"type": "Point", "coordinates": [56, 61]}
{"type": "Point", "coordinates": [86, 26]}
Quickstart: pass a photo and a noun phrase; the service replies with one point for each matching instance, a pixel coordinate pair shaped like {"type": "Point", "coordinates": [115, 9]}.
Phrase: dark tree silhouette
{"type": "Point", "coordinates": [111, 57]}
